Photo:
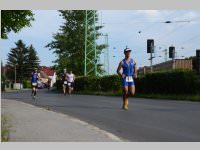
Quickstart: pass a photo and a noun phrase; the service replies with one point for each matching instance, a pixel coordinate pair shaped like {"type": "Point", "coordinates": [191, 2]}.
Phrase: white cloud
{"type": "Point", "coordinates": [149, 13]}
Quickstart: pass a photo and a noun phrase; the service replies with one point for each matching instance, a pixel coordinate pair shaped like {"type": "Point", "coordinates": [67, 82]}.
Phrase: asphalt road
{"type": "Point", "coordinates": [146, 120]}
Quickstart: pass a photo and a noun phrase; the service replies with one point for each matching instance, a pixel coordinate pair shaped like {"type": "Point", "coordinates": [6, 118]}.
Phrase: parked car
{"type": "Point", "coordinates": [40, 85]}
{"type": "Point", "coordinates": [45, 85]}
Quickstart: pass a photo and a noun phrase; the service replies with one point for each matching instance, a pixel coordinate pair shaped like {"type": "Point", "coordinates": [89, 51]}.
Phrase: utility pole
{"type": "Point", "coordinates": [90, 55]}
{"type": "Point", "coordinates": [106, 55]}
{"type": "Point", "coordinates": [15, 74]}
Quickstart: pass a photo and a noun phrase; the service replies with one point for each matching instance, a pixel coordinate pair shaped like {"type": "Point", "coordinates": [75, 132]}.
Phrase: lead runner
{"type": "Point", "coordinates": [127, 76]}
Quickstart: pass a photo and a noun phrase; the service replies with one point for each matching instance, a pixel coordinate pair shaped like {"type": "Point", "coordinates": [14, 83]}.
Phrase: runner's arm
{"type": "Point", "coordinates": [135, 70]}
{"type": "Point", "coordinates": [118, 69]}
{"type": "Point", "coordinates": [39, 76]}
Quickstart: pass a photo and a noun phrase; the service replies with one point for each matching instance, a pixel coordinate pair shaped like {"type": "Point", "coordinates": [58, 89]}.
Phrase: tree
{"type": "Point", "coordinates": [24, 59]}
{"type": "Point", "coordinates": [68, 43]}
{"type": "Point", "coordinates": [32, 61]}
{"type": "Point", "coordinates": [14, 20]}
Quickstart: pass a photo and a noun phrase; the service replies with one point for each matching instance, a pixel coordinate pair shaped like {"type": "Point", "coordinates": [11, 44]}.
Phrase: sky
{"type": "Point", "coordinates": [122, 27]}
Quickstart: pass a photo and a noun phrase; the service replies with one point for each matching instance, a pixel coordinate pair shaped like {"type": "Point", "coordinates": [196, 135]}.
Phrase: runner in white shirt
{"type": "Point", "coordinates": [70, 81]}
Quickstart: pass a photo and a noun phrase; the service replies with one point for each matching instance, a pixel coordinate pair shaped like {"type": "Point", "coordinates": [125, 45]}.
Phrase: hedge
{"type": "Point", "coordinates": [27, 84]}
{"type": "Point", "coordinates": [173, 82]}
{"type": "Point", "coordinates": [105, 84]}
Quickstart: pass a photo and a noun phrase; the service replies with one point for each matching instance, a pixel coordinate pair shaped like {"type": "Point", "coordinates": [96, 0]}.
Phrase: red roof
{"type": "Point", "coordinates": [48, 71]}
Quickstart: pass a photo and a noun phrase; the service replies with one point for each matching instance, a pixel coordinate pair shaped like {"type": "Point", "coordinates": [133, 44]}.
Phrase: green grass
{"type": "Point", "coordinates": [195, 98]}
{"type": "Point", "coordinates": [150, 96]}
{"type": "Point", "coordinates": [4, 128]}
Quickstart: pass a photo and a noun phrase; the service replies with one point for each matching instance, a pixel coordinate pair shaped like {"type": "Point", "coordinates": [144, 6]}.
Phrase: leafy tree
{"type": "Point", "coordinates": [14, 20]}
{"type": "Point", "coordinates": [68, 43]}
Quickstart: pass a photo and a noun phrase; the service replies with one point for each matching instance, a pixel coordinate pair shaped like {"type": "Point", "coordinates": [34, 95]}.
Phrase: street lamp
{"type": "Point", "coordinates": [165, 51]}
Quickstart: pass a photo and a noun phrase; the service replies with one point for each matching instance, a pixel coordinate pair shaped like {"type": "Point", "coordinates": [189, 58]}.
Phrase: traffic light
{"type": "Point", "coordinates": [150, 46]}
{"type": "Point", "coordinates": [198, 59]}
{"type": "Point", "coordinates": [171, 52]}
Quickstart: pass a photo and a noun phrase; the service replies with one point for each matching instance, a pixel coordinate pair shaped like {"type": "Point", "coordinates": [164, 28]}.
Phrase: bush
{"type": "Point", "coordinates": [110, 83]}
{"type": "Point", "coordinates": [27, 84]}
{"type": "Point", "coordinates": [91, 83]}
{"type": "Point", "coordinates": [171, 82]}
{"type": "Point", "coordinates": [174, 82]}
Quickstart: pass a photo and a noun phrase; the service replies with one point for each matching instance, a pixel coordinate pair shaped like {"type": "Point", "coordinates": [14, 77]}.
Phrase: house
{"type": "Point", "coordinates": [48, 73]}
{"type": "Point", "coordinates": [168, 65]}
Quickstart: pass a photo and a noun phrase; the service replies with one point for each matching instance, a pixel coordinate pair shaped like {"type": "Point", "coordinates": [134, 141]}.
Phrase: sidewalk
{"type": "Point", "coordinates": [33, 124]}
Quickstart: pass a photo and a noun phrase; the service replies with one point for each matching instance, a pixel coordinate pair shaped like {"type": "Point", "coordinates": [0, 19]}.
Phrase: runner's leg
{"type": "Point", "coordinates": [125, 96]}
{"type": "Point", "coordinates": [69, 89]}
{"type": "Point", "coordinates": [33, 90]}
{"type": "Point", "coordinates": [64, 88]}
{"type": "Point", "coordinates": [131, 90]}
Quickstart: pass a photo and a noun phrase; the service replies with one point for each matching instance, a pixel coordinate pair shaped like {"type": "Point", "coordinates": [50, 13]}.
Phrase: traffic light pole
{"type": "Point", "coordinates": [174, 61]}
{"type": "Point", "coordinates": [151, 61]}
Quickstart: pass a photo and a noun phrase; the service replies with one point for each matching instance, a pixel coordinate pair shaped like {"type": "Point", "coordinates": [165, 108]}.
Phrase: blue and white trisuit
{"type": "Point", "coordinates": [128, 71]}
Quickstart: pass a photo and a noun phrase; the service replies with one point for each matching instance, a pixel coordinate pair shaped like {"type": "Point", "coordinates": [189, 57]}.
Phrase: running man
{"type": "Point", "coordinates": [127, 76]}
{"type": "Point", "coordinates": [34, 81]}
{"type": "Point", "coordinates": [70, 80]}
{"type": "Point", "coordinates": [64, 81]}
{"type": "Point", "coordinates": [49, 83]}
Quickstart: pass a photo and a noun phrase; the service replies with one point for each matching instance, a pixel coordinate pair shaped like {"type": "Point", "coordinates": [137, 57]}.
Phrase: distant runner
{"type": "Point", "coordinates": [64, 81]}
{"type": "Point", "coordinates": [70, 79]}
{"type": "Point", "coordinates": [49, 83]}
{"type": "Point", "coordinates": [34, 81]}
{"type": "Point", "coordinates": [127, 76]}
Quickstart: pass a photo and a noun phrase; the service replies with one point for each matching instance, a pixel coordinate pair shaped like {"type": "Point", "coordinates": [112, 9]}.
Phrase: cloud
{"type": "Point", "coordinates": [148, 13]}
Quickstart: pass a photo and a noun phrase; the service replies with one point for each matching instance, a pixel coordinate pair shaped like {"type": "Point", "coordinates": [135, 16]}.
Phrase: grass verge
{"type": "Point", "coordinates": [5, 127]}
{"type": "Point", "coordinates": [195, 98]}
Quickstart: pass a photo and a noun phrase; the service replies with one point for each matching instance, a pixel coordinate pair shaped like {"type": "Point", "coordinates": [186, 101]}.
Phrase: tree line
{"type": "Point", "coordinates": [22, 58]}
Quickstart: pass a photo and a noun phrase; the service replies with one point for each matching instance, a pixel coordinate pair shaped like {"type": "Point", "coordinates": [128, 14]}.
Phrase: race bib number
{"type": "Point", "coordinates": [34, 84]}
{"type": "Point", "coordinates": [69, 84]}
{"type": "Point", "coordinates": [129, 79]}
{"type": "Point", "coordinates": [65, 82]}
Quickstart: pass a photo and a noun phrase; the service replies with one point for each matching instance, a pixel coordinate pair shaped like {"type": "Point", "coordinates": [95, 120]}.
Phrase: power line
{"type": "Point", "coordinates": [164, 36]}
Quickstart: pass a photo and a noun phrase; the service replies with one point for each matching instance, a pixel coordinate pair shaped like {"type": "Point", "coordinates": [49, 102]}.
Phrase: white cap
{"type": "Point", "coordinates": [127, 49]}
